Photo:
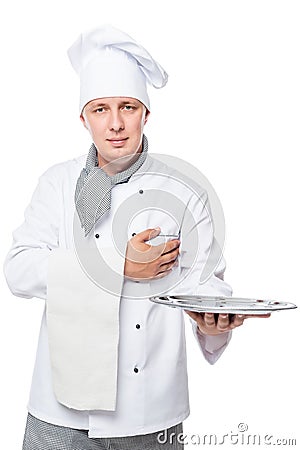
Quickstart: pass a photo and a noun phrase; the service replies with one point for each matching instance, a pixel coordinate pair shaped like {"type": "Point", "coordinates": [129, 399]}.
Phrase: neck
{"type": "Point", "coordinates": [113, 167]}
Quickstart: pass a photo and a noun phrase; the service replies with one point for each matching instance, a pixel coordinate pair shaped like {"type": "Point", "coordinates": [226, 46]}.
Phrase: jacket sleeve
{"type": "Point", "coordinates": [212, 347]}
{"type": "Point", "coordinates": [25, 266]}
{"type": "Point", "coordinates": [202, 269]}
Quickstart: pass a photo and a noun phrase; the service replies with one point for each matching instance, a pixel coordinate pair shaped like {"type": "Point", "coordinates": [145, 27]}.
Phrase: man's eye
{"type": "Point", "coordinates": [100, 110]}
{"type": "Point", "coordinates": [128, 107]}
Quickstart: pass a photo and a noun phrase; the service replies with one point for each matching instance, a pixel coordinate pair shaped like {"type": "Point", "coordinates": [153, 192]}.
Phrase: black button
{"type": "Point", "coordinates": [97, 235]}
{"type": "Point", "coordinates": [141, 191]}
{"type": "Point", "coordinates": [133, 234]}
{"type": "Point", "coordinates": [136, 370]}
{"type": "Point", "coordinates": [138, 326]}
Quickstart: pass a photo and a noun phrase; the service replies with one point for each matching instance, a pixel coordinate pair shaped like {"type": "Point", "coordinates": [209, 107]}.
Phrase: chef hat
{"type": "Point", "coordinates": [112, 64]}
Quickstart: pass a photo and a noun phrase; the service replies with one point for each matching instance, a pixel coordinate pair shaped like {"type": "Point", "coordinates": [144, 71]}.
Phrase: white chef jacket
{"type": "Point", "coordinates": [152, 386]}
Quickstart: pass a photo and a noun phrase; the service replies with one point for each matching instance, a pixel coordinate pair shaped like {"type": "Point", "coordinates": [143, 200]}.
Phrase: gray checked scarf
{"type": "Point", "coordinates": [93, 188]}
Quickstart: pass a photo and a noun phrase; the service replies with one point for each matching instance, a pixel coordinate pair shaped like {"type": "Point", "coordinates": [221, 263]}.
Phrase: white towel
{"type": "Point", "coordinates": [83, 328]}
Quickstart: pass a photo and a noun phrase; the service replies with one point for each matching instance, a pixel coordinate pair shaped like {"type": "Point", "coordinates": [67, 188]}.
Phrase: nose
{"type": "Point", "coordinates": [116, 122]}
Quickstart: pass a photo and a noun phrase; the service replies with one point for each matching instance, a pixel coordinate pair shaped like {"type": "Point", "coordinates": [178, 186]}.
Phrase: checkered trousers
{"type": "Point", "coordinates": [40, 435]}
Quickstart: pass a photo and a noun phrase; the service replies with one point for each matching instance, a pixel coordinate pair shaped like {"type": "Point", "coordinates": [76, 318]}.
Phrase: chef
{"type": "Point", "coordinates": [104, 232]}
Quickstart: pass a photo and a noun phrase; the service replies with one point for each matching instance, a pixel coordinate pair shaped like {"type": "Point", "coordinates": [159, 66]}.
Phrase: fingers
{"type": "Point", "coordinates": [223, 322]}
{"type": "Point", "coordinates": [171, 255]}
{"type": "Point", "coordinates": [237, 321]}
{"type": "Point", "coordinates": [167, 267]}
{"type": "Point", "coordinates": [169, 258]}
{"type": "Point", "coordinates": [169, 246]}
{"type": "Point", "coordinates": [148, 234]}
{"type": "Point", "coordinates": [214, 324]}
{"type": "Point", "coordinates": [209, 321]}
{"type": "Point", "coordinates": [192, 314]}
{"type": "Point", "coordinates": [162, 274]}
{"type": "Point", "coordinates": [199, 318]}
{"type": "Point", "coordinates": [170, 265]}
{"type": "Point", "coordinates": [165, 249]}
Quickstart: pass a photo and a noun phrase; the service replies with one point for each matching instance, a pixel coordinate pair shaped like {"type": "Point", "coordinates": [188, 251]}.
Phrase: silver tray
{"type": "Point", "coordinates": [231, 305]}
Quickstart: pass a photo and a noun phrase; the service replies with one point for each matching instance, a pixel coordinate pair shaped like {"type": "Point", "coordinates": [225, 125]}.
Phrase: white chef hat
{"type": "Point", "coordinates": [112, 64]}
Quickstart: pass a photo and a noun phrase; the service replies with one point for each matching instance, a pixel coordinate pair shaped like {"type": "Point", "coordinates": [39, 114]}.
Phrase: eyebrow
{"type": "Point", "coordinates": [124, 102]}
{"type": "Point", "coordinates": [96, 105]}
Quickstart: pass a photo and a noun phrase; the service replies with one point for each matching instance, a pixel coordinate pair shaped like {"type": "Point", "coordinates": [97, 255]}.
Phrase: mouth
{"type": "Point", "coordinates": [117, 142]}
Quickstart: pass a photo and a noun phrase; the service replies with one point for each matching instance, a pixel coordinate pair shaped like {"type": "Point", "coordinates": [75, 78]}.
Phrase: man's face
{"type": "Point", "coordinates": [116, 125]}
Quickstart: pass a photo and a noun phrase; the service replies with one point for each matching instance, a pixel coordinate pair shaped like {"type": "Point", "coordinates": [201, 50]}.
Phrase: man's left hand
{"type": "Point", "coordinates": [213, 324]}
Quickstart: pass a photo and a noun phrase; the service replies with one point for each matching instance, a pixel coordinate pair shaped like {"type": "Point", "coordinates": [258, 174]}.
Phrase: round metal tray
{"type": "Point", "coordinates": [231, 305]}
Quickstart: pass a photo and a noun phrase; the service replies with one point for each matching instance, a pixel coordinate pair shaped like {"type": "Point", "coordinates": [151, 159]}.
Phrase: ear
{"type": "Point", "coordinates": [146, 116]}
{"type": "Point", "coordinates": [83, 121]}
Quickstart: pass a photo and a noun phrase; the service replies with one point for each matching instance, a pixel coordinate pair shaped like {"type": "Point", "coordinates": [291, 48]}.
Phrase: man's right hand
{"type": "Point", "coordinates": [147, 262]}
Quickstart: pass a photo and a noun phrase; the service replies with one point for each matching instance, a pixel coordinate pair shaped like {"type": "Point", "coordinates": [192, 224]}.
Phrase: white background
{"type": "Point", "coordinates": [231, 108]}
